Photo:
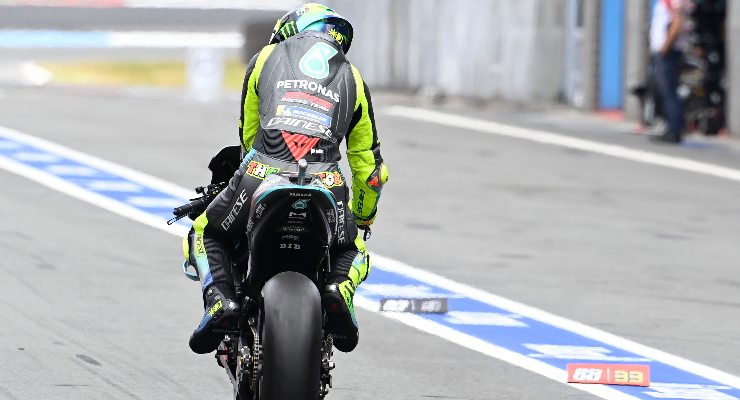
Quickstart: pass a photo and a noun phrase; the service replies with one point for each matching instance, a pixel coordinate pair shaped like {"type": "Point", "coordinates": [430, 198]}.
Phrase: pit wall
{"type": "Point", "coordinates": [482, 49]}
{"type": "Point", "coordinates": [586, 53]}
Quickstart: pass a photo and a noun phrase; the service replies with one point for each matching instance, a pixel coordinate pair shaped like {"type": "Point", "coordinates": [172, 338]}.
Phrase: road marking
{"type": "Point", "coordinates": [29, 39]}
{"type": "Point", "coordinates": [15, 144]}
{"type": "Point", "coordinates": [228, 40]}
{"type": "Point", "coordinates": [272, 5]}
{"type": "Point", "coordinates": [252, 5]}
{"type": "Point", "coordinates": [117, 186]}
{"type": "Point", "coordinates": [513, 332]}
{"type": "Point", "coordinates": [483, 318]}
{"type": "Point", "coordinates": [572, 341]}
{"type": "Point", "coordinates": [35, 74]}
{"type": "Point", "coordinates": [625, 153]}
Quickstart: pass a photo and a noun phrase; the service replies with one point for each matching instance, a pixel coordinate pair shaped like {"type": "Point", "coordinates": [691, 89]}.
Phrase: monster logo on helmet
{"type": "Point", "coordinates": [313, 17]}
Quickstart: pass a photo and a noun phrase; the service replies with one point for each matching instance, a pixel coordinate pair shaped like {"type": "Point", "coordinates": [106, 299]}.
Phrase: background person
{"type": "Point", "coordinates": [668, 39]}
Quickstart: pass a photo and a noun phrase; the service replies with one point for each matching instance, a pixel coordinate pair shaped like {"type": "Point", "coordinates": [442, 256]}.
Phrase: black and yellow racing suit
{"type": "Point", "coordinates": [301, 98]}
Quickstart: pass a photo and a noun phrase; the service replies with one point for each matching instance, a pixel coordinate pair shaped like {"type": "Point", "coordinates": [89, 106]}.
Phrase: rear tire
{"type": "Point", "coordinates": [291, 338]}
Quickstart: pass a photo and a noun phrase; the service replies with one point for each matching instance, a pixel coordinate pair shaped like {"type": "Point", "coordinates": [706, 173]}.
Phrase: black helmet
{"type": "Point", "coordinates": [313, 17]}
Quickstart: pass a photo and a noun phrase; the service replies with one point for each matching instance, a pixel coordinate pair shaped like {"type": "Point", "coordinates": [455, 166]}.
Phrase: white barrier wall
{"type": "Point", "coordinates": [637, 54]}
{"type": "Point", "coordinates": [488, 49]}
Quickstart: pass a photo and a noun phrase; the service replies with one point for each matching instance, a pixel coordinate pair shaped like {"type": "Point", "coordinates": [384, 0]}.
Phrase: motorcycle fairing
{"type": "Point", "coordinates": [290, 228]}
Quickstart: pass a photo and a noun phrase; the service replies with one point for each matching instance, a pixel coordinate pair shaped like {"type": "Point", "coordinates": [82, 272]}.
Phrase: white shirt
{"type": "Point", "coordinates": [662, 17]}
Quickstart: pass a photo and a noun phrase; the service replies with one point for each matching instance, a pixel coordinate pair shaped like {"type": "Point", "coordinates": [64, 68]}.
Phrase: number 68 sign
{"type": "Point", "coordinates": [610, 374]}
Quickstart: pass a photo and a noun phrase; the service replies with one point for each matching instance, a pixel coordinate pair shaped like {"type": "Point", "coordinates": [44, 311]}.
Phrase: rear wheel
{"type": "Point", "coordinates": [291, 338]}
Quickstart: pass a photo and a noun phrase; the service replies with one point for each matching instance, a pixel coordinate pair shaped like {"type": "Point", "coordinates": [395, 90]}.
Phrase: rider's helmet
{"type": "Point", "coordinates": [313, 17]}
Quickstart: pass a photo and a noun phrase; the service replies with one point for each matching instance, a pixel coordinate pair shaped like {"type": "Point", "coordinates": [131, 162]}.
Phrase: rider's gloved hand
{"type": "Point", "coordinates": [364, 225]}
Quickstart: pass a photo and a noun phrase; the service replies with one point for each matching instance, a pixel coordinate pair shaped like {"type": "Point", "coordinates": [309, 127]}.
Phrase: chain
{"type": "Point", "coordinates": [256, 358]}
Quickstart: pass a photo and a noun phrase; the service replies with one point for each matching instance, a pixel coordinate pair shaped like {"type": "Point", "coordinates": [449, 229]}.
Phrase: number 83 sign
{"type": "Point", "coordinates": [610, 374]}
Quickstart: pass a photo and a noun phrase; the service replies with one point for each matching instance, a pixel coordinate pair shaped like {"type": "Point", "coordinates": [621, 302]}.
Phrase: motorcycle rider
{"type": "Point", "coordinates": [300, 99]}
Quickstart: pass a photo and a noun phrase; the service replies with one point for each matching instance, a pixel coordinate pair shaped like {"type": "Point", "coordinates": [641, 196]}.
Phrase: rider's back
{"type": "Point", "coordinates": [307, 93]}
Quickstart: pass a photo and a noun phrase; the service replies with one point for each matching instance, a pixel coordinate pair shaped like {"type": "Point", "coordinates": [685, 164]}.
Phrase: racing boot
{"type": "Point", "coordinates": [221, 313]}
{"type": "Point", "coordinates": [341, 324]}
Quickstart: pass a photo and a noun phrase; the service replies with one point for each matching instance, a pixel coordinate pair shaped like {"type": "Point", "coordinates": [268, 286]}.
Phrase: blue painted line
{"type": "Point", "coordinates": [554, 346]}
{"type": "Point", "coordinates": [56, 39]}
{"type": "Point", "coordinates": [140, 196]}
{"type": "Point", "coordinates": [498, 325]}
{"type": "Point", "coordinates": [696, 144]}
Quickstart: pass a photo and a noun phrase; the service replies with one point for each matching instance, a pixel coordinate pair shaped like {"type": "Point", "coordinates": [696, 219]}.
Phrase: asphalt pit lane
{"type": "Point", "coordinates": [88, 359]}
{"type": "Point", "coordinates": [515, 256]}
{"type": "Point", "coordinates": [577, 152]}
{"type": "Point", "coordinates": [44, 265]}
{"type": "Point", "coordinates": [485, 153]}
{"type": "Point", "coordinates": [21, 235]}
{"type": "Point", "coordinates": [69, 385]}
{"type": "Point", "coordinates": [409, 145]}
{"type": "Point", "coordinates": [423, 226]}
{"type": "Point", "coordinates": [728, 282]}
{"type": "Point", "coordinates": [671, 236]}
{"type": "Point", "coordinates": [601, 196]}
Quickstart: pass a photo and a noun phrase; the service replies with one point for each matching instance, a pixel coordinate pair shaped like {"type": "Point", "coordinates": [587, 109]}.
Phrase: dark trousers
{"type": "Point", "coordinates": [666, 79]}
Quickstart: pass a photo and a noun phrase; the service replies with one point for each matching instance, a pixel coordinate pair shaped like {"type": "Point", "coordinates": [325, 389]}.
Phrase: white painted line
{"type": "Point", "coordinates": [109, 39]}
{"type": "Point", "coordinates": [35, 74]}
{"type": "Point", "coordinates": [71, 170]}
{"type": "Point", "coordinates": [272, 5]}
{"type": "Point", "coordinates": [256, 5]}
{"type": "Point", "coordinates": [144, 39]}
{"type": "Point", "coordinates": [153, 202]}
{"type": "Point", "coordinates": [626, 153]}
{"type": "Point", "coordinates": [114, 186]}
{"type": "Point", "coordinates": [36, 157]}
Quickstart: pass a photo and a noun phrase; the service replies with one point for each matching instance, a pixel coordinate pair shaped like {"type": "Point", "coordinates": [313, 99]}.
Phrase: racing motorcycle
{"type": "Point", "coordinates": [702, 86]}
{"type": "Point", "coordinates": [700, 90]}
{"type": "Point", "coordinates": [280, 350]}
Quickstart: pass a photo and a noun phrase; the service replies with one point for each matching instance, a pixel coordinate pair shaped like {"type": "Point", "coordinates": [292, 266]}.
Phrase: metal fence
{"type": "Point", "coordinates": [486, 49]}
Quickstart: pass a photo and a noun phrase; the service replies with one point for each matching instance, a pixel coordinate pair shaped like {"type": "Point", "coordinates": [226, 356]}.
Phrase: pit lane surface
{"type": "Point", "coordinates": [639, 251]}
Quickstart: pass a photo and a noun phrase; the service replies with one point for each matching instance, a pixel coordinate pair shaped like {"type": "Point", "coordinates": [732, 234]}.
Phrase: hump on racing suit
{"type": "Point", "coordinates": [309, 90]}
{"type": "Point", "coordinates": [301, 98]}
